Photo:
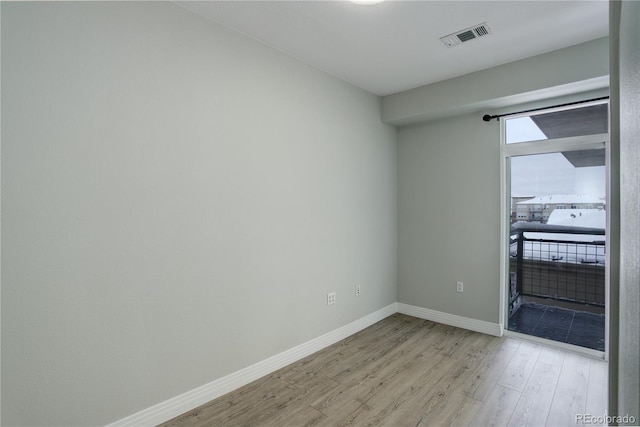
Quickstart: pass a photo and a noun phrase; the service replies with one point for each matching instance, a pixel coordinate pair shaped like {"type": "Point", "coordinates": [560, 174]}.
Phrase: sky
{"type": "Point", "coordinates": [548, 174]}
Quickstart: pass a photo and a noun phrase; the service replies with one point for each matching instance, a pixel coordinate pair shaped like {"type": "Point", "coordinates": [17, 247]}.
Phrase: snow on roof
{"type": "Point", "coordinates": [592, 218]}
{"type": "Point", "coordinates": [589, 218]}
{"type": "Point", "coordinates": [564, 199]}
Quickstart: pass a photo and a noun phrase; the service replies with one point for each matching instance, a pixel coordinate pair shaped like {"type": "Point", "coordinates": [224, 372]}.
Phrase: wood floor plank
{"type": "Point", "coordinates": [597, 388]}
{"type": "Point", "coordinates": [233, 405]}
{"type": "Point", "coordinates": [498, 407]}
{"type": "Point", "coordinates": [471, 351]}
{"type": "Point", "coordinates": [375, 351]}
{"type": "Point", "coordinates": [418, 343]}
{"type": "Point", "coordinates": [452, 339]}
{"type": "Point", "coordinates": [570, 397]}
{"type": "Point", "coordinates": [401, 399]}
{"type": "Point", "coordinates": [339, 403]}
{"type": "Point", "coordinates": [267, 410]}
{"type": "Point", "coordinates": [552, 356]}
{"type": "Point", "coordinates": [403, 359]}
{"type": "Point", "coordinates": [354, 419]}
{"type": "Point", "coordinates": [457, 410]}
{"type": "Point", "coordinates": [405, 371]}
{"type": "Point", "coordinates": [415, 354]}
{"type": "Point", "coordinates": [517, 372]}
{"type": "Point", "coordinates": [407, 383]}
{"type": "Point", "coordinates": [535, 401]}
{"type": "Point", "coordinates": [354, 345]}
{"type": "Point", "coordinates": [486, 375]}
{"type": "Point", "coordinates": [430, 402]}
{"type": "Point", "coordinates": [299, 416]}
{"type": "Point", "coordinates": [298, 411]}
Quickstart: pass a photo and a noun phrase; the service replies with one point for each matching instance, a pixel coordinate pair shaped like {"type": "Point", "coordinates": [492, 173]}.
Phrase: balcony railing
{"type": "Point", "coordinates": [557, 262]}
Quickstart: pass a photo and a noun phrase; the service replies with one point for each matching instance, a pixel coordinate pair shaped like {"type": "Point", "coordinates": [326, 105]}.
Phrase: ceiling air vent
{"type": "Point", "coordinates": [466, 35]}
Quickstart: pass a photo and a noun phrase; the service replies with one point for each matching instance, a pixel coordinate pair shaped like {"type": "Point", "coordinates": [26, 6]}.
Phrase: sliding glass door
{"type": "Point", "coordinates": [555, 246]}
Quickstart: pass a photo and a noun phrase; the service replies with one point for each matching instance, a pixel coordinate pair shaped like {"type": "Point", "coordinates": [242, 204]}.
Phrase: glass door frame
{"type": "Point", "coordinates": [586, 142]}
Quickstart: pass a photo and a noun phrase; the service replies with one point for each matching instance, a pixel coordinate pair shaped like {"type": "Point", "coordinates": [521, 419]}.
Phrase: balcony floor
{"type": "Point", "coordinates": [559, 324]}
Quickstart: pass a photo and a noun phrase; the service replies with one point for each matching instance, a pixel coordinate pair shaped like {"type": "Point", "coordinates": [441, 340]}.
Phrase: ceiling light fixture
{"type": "Point", "coordinates": [366, 2]}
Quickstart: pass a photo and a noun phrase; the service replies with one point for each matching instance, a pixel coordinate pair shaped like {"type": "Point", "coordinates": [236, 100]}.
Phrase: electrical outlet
{"type": "Point", "coordinates": [331, 298]}
{"type": "Point", "coordinates": [358, 290]}
{"type": "Point", "coordinates": [460, 286]}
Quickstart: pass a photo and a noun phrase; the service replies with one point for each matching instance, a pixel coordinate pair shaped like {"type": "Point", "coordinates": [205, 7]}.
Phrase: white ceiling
{"type": "Point", "coordinates": [394, 45]}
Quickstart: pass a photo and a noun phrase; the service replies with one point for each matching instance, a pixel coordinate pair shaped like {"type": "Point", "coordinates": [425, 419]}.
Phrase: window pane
{"type": "Point", "coordinates": [557, 247]}
{"type": "Point", "coordinates": [590, 120]}
{"type": "Point", "coordinates": [543, 182]}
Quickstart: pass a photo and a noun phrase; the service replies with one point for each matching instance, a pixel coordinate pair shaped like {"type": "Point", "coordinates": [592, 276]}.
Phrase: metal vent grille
{"type": "Point", "coordinates": [481, 30]}
{"type": "Point", "coordinates": [466, 35]}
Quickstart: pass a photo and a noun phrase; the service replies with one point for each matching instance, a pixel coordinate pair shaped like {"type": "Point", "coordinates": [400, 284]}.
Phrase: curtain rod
{"type": "Point", "coordinates": [488, 118]}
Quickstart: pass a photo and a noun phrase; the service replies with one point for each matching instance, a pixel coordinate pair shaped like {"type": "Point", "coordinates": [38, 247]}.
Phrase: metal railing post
{"type": "Point", "coordinates": [520, 263]}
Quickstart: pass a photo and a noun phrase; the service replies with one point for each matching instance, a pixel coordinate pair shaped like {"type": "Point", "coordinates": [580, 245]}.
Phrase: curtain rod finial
{"type": "Point", "coordinates": [487, 118]}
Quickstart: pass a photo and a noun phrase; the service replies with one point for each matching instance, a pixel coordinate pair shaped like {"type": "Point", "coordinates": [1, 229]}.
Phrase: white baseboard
{"type": "Point", "coordinates": [191, 399]}
{"type": "Point", "coordinates": [451, 319]}
{"type": "Point", "coordinates": [180, 404]}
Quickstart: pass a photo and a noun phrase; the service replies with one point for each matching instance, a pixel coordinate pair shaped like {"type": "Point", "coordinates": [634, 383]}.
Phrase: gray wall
{"type": "Point", "coordinates": [449, 216]}
{"type": "Point", "coordinates": [578, 68]}
{"type": "Point", "coordinates": [625, 29]}
{"type": "Point", "coordinates": [449, 177]}
{"type": "Point", "coordinates": [177, 200]}
{"type": "Point", "coordinates": [614, 208]}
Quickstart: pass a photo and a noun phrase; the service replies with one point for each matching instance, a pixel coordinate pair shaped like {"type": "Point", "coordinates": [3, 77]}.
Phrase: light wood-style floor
{"type": "Point", "coordinates": [405, 371]}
